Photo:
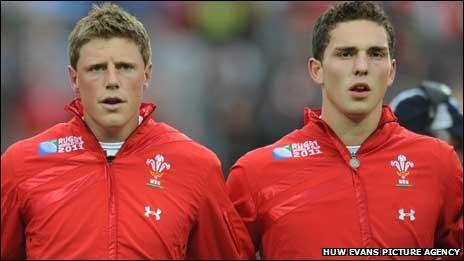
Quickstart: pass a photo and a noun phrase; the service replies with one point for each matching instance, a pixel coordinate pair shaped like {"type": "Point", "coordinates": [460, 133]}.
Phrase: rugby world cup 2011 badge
{"type": "Point", "coordinates": [158, 168]}
{"type": "Point", "coordinates": [297, 150]}
{"type": "Point", "coordinates": [48, 147]}
{"type": "Point", "coordinates": [61, 145]}
{"type": "Point", "coordinates": [283, 152]}
{"type": "Point", "coordinates": [402, 169]}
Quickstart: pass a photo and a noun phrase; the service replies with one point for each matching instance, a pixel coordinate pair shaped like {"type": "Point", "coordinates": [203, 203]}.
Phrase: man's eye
{"type": "Point", "coordinates": [378, 54]}
{"type": "Point", "coordinates": [96, 68]}
{"type": "Point", "coordinates": [345, 54]}
{"type": "Point", "coordinates": [125, 66]}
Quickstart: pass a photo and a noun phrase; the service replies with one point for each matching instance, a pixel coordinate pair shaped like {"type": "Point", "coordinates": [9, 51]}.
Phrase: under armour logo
{"type": "Point", "coordinates": [156, 213]}
{"type": "Point", "coordinates": [410, 214]}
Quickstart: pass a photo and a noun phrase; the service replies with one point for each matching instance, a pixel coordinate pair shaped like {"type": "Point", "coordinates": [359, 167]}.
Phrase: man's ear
{"type": "Point", "coordinates": [72, 74]}
{"type": "Point", "coordinates": [315, 70]}
{"type": "Point", "coordinates": [148, 74]}
{"type": "Point", "coordinates": [392, 73]}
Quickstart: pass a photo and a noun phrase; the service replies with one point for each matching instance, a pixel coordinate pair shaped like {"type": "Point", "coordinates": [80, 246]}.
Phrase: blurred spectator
{"type": "Point", "coordinates": [430, 110]}
{"type": "Point", "coordinates": [224, 73]}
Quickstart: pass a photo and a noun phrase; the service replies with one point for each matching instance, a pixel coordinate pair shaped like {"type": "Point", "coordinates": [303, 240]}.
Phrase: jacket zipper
{"type": "Point", "coordinates": [112, 214]}
{"type": "Point", "coordinates": [354, 162]}
{"type": "Point", "coordinates": [361, 200]}
{"type": "Point", "coordinates": [113, 209]}
{"type": "Point", "coordinates": [360, 193]}
{"type": "Point", "coordinates": [112, 204]}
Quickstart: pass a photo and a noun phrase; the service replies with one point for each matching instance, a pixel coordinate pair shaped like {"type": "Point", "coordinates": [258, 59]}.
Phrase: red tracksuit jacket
{"type": "Point", "coordinates": [301, 194]}
{"type": "Point", "coordinates": [162, 197]}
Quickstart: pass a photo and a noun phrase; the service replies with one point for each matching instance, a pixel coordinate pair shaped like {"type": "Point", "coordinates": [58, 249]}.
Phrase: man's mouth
{"type": "Point", "coordinates": [112, 100]}
{"type": "Point", "coordinates": [360, 87]}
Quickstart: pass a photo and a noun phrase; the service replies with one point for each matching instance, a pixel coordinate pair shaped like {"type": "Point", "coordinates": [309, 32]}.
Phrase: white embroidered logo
{"type": "Point", "coordinates": [157, 167]}
{"type": "Point", "coordinates": [405, 214]}
{"type": "Point", "coordinates": [402, 167]}
{"type": "Point", "coordinates": [156, 213]}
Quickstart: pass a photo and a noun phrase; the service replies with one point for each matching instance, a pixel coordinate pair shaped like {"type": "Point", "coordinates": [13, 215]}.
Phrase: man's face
{"type": "Point", "coordinates": [110, 78]}
{"type": "Point", "coordinates": [356, 69]}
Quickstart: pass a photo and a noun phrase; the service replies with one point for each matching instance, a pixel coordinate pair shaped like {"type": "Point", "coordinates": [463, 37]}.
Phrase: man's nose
{"type": "Point", "coordinates": [360, 66]}
{"type": "Point", "coordinates": [112, 77]}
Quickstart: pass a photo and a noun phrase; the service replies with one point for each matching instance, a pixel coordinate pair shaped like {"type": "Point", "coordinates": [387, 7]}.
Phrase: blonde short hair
{"type": "Point", "coordinates": [108, 21]}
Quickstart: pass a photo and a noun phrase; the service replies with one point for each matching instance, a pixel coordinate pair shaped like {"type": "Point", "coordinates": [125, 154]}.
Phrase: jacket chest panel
{"type": "Point", "coordinates": [54, 199]}
{"type": "Point", "coordinates": [407, 201]}
{"type": "Point", "coordinates": [162, 207]}
{"type": "Point", "coordinates": [315, 206]}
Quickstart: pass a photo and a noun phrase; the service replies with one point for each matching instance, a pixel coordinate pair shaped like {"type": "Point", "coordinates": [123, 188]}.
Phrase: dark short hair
{"type": "Point", "coordinates": [344, 12]}
{"type": "Point", "coordinates": [108, 21]}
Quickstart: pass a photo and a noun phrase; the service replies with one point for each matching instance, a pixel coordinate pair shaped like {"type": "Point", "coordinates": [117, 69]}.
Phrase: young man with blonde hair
{"type": "Point", "coordinates": [112, 183]}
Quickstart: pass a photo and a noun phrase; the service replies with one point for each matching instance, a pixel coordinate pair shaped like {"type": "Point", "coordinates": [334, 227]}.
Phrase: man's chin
{"type": "Point", "coordinates": [113, 124]}
{"type": "Point", "coordinates": [360, 112]}
{"type": "Point", "coordinates": [112, 121]}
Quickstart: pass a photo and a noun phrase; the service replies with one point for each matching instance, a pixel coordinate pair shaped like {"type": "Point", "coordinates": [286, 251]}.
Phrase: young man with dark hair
{"type": "Point", "coordinates": [351, 177]}
{"type": "Point", "coordinates": [112, 183]}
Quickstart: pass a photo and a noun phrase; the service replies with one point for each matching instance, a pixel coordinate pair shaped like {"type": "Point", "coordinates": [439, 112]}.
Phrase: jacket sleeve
{"type": "Point", "coordinates": [449, 232]}
{"type": "Point", "coordinates": [219, 232]}
{"type": "Point", "coordinates": [241, 196]}
{"type": "Point", "coordinates": [13, 242]}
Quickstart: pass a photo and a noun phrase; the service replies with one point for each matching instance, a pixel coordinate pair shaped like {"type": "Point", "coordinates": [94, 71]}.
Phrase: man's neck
{"type": "Point", "coordinates": [112, 134]}
{"type": "Point", "coordinates": [352, 130]}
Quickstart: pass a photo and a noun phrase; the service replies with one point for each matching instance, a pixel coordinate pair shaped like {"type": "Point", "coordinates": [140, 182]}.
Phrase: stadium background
{"type": "Point", "coordinates": [231, 75]}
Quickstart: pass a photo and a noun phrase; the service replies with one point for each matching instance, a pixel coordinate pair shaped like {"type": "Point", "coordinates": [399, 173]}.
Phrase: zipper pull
{"type": "Point", "coordinates": [110, 159]}
{"type": "Point", "coordinates": [354, 161]}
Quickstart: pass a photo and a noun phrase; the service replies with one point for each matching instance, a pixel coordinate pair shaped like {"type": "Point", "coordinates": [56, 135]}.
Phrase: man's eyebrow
{"type": "Point", "coordinates": [349, 49]}
{"type": "Point", "coordinates": [378, 48]}
{"type": "Point", "coordinates": [96, 64]}
{"type": "Point", "coordinates": [352, 48]}
{"type": "Point", "coordinates": [104, 64]}
{"type": "Point", "coordinates": [124, 63]}
{"type": "Point", "coordinates": [345, 48]}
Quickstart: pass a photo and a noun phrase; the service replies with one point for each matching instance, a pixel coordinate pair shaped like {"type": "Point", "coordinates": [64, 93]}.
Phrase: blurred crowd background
{"type": "Point", "coordinates": [231, 75]}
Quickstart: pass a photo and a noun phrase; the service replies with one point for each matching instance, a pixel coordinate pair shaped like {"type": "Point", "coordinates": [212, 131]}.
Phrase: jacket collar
{"type": "Point", "coordinates": [382, 134]}
{"type": "Point", "coordinates": [142, 131]}
{"type": "Point", "coordinates": [75, 107]}
{"type": "Point", "coordinates": [314, 115]}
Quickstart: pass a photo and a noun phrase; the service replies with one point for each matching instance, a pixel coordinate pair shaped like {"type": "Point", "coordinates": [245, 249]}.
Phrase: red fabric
{"type": "Point", "coordinates": [77, 205]}
{"type": "Point", "coordinates": [294, 206]}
